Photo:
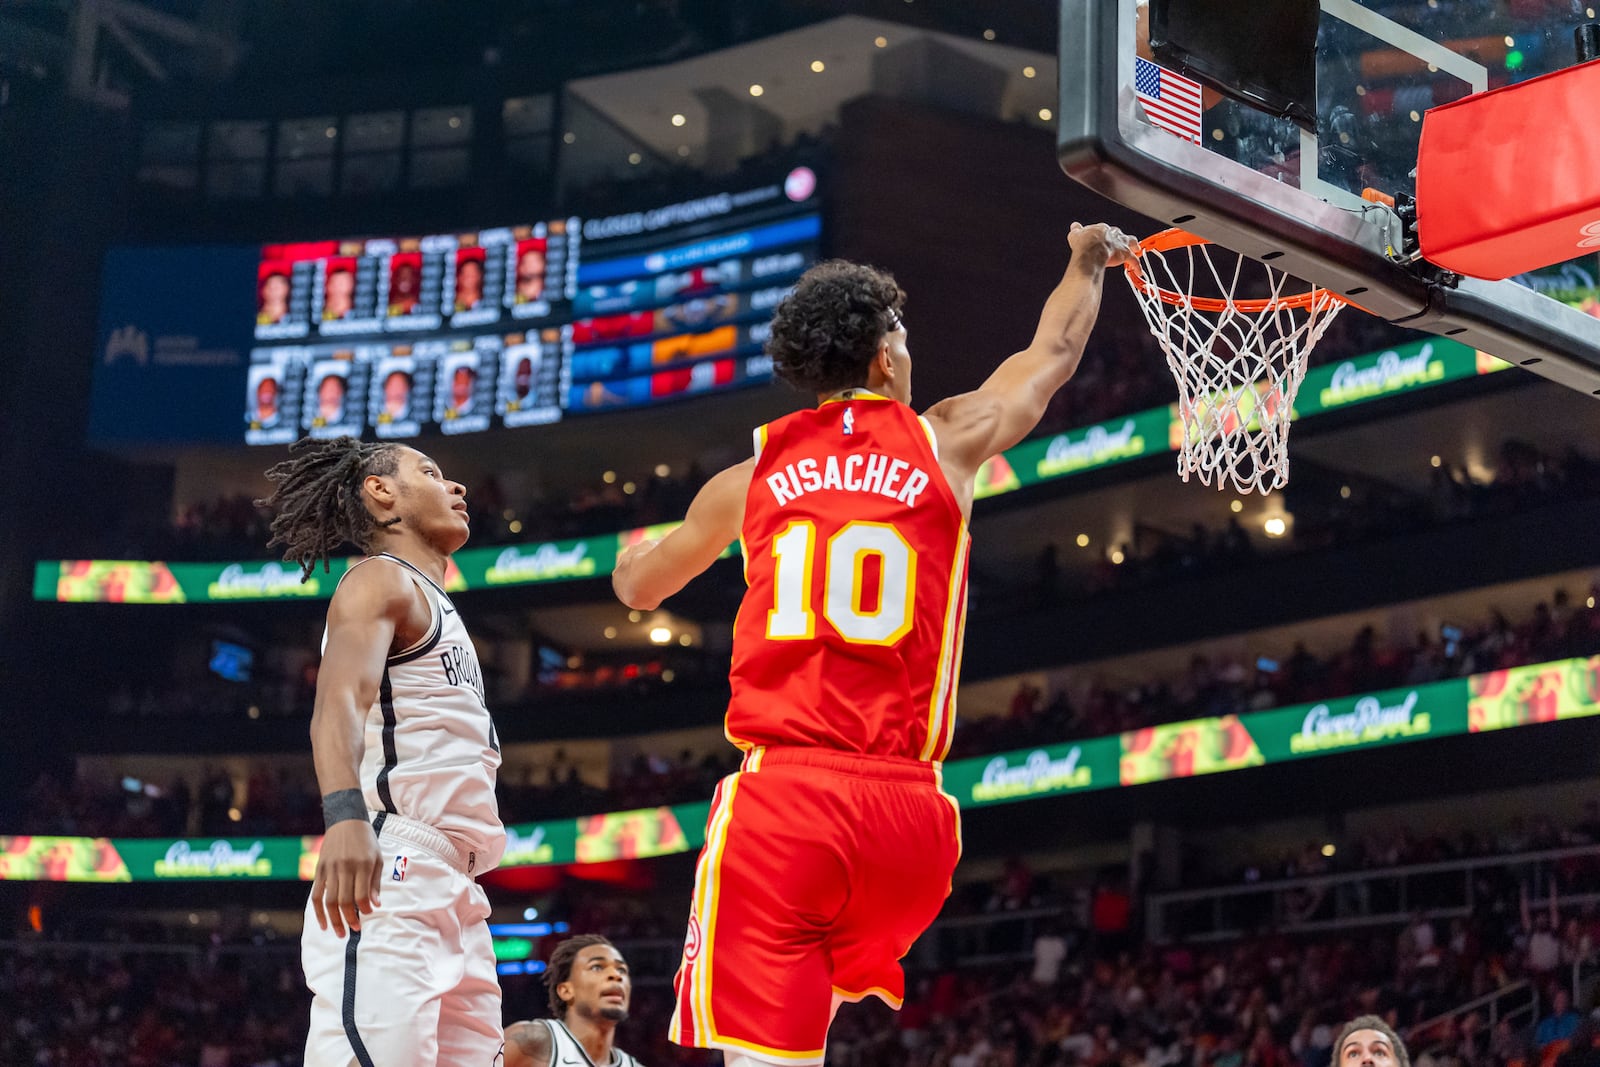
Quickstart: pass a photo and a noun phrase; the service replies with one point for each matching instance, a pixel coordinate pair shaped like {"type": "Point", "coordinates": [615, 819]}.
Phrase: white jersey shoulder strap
{"type": "Point", "coordinates": [438, 604]}
{"type": "Point", "coordinates": [430, 592]}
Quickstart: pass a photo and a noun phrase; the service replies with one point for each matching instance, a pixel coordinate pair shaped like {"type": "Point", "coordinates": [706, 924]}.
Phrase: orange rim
{"type": "Point", "coordinates": [1168, 240]}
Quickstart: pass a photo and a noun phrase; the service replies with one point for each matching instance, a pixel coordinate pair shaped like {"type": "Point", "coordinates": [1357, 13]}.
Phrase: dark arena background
{"type": "Point", "coordinates": [1233, 769]}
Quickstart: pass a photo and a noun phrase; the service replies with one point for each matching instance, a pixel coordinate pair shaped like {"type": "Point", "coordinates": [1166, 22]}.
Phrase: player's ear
{"type": "Point", "coordinates": [379, 490]}
{"type": "Point", "coordinates": [884, 361]}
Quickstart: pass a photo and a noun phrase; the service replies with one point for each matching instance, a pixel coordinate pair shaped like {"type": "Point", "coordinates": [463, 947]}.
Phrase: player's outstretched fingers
{"type": "Point", "coordinates": [337, 898]}
{"type": "Point", "coordinates": [351, 890]}
{"type": "Point", "coordinates": [360, 896]}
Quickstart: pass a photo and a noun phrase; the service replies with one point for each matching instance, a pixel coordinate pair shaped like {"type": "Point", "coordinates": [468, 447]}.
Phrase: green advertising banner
{"type": "Point", "coordinates": [1335, 386]}
{"type": "Point", "coordinates": [1075, 452]}
{"type": "Point", "coordinates": [554, 561]}
{"type": "Point", "coordinates": [1027, 774]}
{"type": "Point", "coordinates": [540, 844]}
{"type": "Point", "coordinates": [145, 582]}
{"type": "Point", "coordinates": [260, 858]}
{"type": "Point", "coordinates": [1438, 709]}
{"type": "Point", "coordinates": [1519, 696]}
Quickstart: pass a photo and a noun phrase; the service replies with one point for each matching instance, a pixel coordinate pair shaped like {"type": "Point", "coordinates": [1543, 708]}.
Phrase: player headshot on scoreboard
{"type": "Point", "coordinates": [272, 294]}
{"type": "Point", "coordinates": [531, 262]}
{"type": "Point", "coordinates": [396, 396]}
{"type": "Point", "coordinates": [405, 283]}
{"type": "Point", "coordinates": [265, 393]}
{"type": "Point", "coordinates": [469, 278]}
{"type": "Point", "coordinates": [339, 290]}
{"type": "Point", "coordinates": [331, 390]}
{"type": "Point", "coordinates": [518, 368]}
{"type": "Point", "coordinates": [459, 376]}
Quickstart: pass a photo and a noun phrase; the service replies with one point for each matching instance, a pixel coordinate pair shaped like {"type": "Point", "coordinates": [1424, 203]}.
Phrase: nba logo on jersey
{"type": "Point", "coordinates": [399, 872]}
{"type": "Point", "coordinates": [849, 420]}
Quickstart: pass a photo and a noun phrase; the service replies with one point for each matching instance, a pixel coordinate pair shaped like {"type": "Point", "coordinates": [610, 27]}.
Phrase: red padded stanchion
{"type": "Point", "coordinates": [1509, 180]}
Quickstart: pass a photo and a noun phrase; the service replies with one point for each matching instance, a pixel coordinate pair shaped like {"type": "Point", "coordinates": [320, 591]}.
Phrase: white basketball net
{"type": "Point", "coordinates": [1238, 363]}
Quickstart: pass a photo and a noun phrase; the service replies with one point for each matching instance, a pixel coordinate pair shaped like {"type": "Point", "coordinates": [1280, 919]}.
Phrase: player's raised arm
{"type": "Point", "coordinates": [370, 606]}
{"type": "Point", "coordinates": [651, 571]}
{"type": "Point", "coordinates": [1006, 408]}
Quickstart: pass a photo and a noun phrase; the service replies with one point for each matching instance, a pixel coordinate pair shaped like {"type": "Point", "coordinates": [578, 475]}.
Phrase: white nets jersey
{"type": "Point", "coordinates": [431, 749]}
{"type": "Point", "coordinates": [565, 1051]}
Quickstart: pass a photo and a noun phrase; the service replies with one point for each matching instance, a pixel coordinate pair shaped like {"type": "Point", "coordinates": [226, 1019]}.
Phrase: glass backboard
{"type": "Point", "coordinates": [1185, 155]}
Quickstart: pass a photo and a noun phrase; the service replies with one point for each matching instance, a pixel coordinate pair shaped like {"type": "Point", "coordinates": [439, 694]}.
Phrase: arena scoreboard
{"type": "Point", "coordinates": [523, 325]}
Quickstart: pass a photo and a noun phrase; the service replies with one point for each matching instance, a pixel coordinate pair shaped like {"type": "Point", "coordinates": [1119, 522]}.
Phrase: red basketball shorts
{"type": "Point", "coordinates": [819, 870]}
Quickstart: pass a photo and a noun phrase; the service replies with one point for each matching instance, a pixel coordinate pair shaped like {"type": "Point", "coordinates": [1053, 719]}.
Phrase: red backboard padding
{"type": "Point", "coordinates": [1509, 180]}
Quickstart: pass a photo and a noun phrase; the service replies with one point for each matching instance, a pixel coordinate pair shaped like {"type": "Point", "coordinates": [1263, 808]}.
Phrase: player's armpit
{"type": "Point", "coordinates": [967, 427]}
{"type": "Point", "coordinates": [527, 1045]}
{"type": "Point", "coordinates": [650, 572]}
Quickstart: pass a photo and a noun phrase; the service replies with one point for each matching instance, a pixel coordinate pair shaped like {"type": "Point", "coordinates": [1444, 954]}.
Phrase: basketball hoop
{"type": "Point", "coordinates": [1238, 361]}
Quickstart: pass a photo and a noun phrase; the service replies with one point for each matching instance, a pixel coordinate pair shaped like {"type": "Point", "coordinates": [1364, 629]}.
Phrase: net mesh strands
{"type": "Point", "coordinates": [1238, 360]}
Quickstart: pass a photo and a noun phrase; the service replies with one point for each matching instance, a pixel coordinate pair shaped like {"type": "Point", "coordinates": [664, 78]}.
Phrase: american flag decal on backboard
{"type": "Point", "coordinates": [1171, 100]}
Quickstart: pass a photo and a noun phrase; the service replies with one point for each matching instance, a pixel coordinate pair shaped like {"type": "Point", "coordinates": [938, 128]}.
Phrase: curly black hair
{"type": "Point", "coordinates": [559, 969]}
{"type": "Point", "coordinates": [317, 497]}
{"type": "Point", "coordinates": [825, 332]}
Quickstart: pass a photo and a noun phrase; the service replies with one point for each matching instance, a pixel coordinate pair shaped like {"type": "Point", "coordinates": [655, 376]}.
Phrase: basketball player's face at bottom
{"type": "Point", "coordinates": [600, 985]}
{"type": "Point", "coordinates": [431, 504]}
{"type": "Point", "coordinates": [1366, 1048]}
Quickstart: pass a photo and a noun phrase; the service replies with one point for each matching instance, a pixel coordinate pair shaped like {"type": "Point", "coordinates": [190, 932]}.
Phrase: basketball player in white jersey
{"type": "Point", "coordinates": [589, 995]}
{"type": "Point", "coordinates": [406, 756]}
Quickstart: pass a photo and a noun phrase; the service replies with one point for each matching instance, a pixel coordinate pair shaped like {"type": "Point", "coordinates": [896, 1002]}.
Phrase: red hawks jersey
{"type": "Point", "coordinates": [849, 636]}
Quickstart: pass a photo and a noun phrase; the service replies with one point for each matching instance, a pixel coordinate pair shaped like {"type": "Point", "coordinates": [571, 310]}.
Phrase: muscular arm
{"type": "Point", "coordinates": [651, 571]}
{"type": "Point", "coordinates": [1005, 408]}
{"type": "Point", "coordinates": [373, 608]}
{"type": "Point", "coordinates": [527, 1045]}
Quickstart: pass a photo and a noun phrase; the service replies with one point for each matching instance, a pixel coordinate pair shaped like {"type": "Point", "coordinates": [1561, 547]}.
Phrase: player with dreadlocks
{"type": "Point", "coordinates": [589, 995]}
{"type": "Point", "coordinates": [406, 755]}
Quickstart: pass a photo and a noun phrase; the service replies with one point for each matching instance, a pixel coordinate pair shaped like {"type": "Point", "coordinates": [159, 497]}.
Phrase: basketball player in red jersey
{"type": "Point", "coordinates": [831, 849]}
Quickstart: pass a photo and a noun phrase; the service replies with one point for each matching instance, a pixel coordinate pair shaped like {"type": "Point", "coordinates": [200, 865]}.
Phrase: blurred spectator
{"type": "Point", "coordinates": [1560, 1024]}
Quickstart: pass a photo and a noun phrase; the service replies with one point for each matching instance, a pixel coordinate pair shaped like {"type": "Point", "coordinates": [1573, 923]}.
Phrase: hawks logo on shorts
{"type": "Point", "coordinates": [691, 943]}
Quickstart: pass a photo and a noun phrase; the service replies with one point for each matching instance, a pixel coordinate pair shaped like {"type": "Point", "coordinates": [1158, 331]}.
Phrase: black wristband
{"type": "Point", "coordinates": [342, 805]}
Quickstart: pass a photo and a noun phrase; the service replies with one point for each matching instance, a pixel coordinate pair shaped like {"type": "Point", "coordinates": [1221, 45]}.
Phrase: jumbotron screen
{"type": "Point", "coordinates": [523, 325]}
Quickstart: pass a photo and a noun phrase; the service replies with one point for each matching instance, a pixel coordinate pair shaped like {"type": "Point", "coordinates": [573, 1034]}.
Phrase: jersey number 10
{"type": "Point", "coordinates": [793, 617]}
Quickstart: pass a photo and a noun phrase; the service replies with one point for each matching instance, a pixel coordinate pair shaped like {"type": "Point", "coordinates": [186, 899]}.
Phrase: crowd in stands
{"type": "Point", "coordinates": [1559, 629]}
{"type": "Point", "coordinates": [1094, 995]}
{"type": "Point", "coordinates": [1086, 991]}
{"type": "Point", "coordinates": [284, 802]}
{"type": "Point", "coordinates": [1404, 847]}
{"type": "Point", "coordinates": [1523, 477]}
{"type": "Point", "coordinates": [115, 1008]}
